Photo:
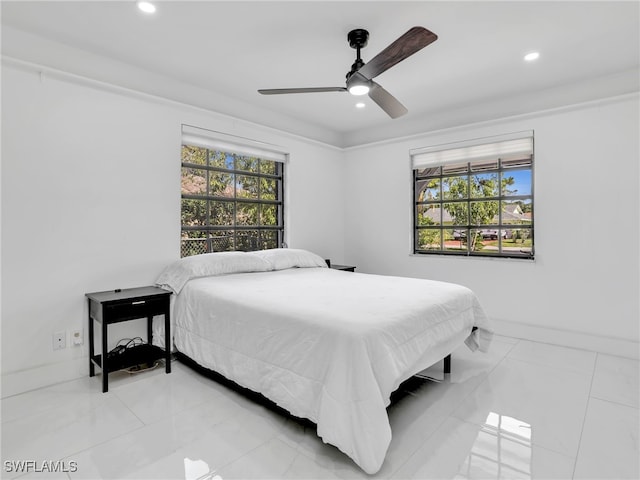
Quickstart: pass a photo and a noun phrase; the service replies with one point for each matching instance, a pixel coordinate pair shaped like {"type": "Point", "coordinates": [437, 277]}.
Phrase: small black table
{"type": "Point", "coordinates": [346, 268]}
{"type": "Point", "coordinates": [114, 306]}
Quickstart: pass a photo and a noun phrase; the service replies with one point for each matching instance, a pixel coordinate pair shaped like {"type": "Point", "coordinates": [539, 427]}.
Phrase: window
{"type": "Point", "coordinates": [232, 194]}
{"type": "Point", "coordinates": [475, 199]}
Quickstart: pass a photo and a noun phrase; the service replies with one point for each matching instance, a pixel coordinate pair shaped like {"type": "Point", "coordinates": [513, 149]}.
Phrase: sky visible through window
{"type": "Point", "coordinates": [522, 181]}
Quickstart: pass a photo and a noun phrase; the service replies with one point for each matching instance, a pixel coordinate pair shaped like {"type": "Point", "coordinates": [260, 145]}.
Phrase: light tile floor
{"type": "Point", "coordinates": [524, 410]}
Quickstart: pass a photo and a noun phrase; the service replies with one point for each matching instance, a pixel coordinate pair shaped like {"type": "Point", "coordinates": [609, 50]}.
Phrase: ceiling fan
{"type": "Point", "coordinates": [360, 77]}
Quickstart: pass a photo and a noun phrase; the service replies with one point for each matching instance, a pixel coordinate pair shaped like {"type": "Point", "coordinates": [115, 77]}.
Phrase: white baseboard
{"type": "Point", "coordinates": [43, 376]}
{"type": "Point", "coordinates": [585, 341]}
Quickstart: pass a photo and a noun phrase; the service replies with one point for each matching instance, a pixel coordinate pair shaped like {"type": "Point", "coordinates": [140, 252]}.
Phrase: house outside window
{"type": "Point", "coordinates": [475, 198]}
{"type": "Point", "coordinates": [232, 194]}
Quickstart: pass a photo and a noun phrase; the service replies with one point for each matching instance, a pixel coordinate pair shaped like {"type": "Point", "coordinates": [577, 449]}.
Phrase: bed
{"type": "Point", "coordinates": [326, 345]}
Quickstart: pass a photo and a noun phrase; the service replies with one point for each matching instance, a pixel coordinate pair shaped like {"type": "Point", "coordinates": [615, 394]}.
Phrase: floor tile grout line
{"type": "Point", "coordinates": [275, 437]}
{"type": "Point", "coordinates": [534, 362]}
{"type": "Point", "coordinates": [79, 452]}
{"type": "Point", "coordinates": [293, 460]}
{"type": "Point", "coordinates": [538, 365]}
{"type": "Point", "coordinates": [173, 413]}
{"type": "Point", "coordinates": [570, 347]}
{"type": "Point", "coordinates": [92, 410]}
{"type": "Point", "coordinates": [140, 427]}
{"type": "Point", "coordinates": [47, 410]}
{"type": "Point", "coordinates": [131, 432]}
{"type": "Point", "coordinates": [23, 475]}
{"type": "Point", "coordinates": [144, 424]}
{"type": "Point", "coordinates": [538, 445]}
{"type": "Point", "coordinates": [584, 418]}
{"type": "Point", "coordinates": [43, 387]}
{"type": "Point", "coordinates": [223, 466]}
{"type": "Point", "coordinates": [309, 457]}
{"type": "Point", "coordinates": [458, 404]}
{"type": "Point", "coordinates": [553, 367]}
{"type": "Point", "coordinates": [615, 402]}
{"type": "Point", "coordinates": [98, 388]}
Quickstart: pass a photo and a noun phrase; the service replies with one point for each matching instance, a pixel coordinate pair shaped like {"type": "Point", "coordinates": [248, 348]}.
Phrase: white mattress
{"type": "Point", "coordinates": [327, 345]}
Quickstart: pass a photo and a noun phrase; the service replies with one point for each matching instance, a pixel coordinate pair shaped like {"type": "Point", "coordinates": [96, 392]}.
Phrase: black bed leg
{"type": "Point", "coordinates": [447, 364]}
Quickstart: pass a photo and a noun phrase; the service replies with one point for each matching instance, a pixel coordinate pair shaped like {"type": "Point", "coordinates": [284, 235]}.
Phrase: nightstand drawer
{"type": "Point", "coordinates": [134, 308]}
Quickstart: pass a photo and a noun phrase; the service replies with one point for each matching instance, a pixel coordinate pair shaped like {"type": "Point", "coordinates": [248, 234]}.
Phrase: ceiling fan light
{"type": "Point", "coordinates": [359, 89]}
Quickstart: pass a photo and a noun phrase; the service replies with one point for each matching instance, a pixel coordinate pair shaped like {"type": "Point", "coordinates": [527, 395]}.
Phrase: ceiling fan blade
{"type": "Point", "coordinates": [278, 91]}
{"type": "Point", "coordinates": [386, 101]}
{"type": "Point", "coordinates": [412, 41]}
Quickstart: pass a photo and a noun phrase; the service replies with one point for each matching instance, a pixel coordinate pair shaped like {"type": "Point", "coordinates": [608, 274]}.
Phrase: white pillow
{"type": "Point", "coordinates": [283, 258]}
{"type": "Point", "coordinates": [177, 274]}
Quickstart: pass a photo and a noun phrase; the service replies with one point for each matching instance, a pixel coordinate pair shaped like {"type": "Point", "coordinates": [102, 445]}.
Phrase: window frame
{"type": "Point", "coordinates": [237, 243]}
{"type": "Point", "coordinates": [469, 228]}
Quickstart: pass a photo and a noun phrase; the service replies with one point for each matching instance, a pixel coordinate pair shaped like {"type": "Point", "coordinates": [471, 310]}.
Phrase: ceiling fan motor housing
{"type": "Point", "coordinates": [358, 38]}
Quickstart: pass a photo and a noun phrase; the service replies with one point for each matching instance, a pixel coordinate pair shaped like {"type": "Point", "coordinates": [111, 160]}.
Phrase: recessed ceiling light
{"type": "Point", "coordinates": [147, 7]}
{"type": "Point", "coordinates": [359, 105]}
{"type": "Point", "coordinates": [530, 57]}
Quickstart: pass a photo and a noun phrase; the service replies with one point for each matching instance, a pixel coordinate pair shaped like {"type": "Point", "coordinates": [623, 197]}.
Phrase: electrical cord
{"type": "Point", "coordinates": [133, 355]}
{"type": "Point", "coordinates": [123, 344]}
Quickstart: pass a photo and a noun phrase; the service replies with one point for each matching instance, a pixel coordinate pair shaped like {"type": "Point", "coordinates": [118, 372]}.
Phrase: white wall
{"type": "Point", "coordinates": [91, 202]}
{"type": "Point", "coordinates": [583, 286]}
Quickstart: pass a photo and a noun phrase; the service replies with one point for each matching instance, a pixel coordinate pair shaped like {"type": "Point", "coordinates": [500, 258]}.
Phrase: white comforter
{"type": "Point", "coordinates": [327, 345]}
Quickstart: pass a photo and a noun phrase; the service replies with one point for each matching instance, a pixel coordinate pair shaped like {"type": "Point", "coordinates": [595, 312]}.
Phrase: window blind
{"type": "Point", "coordinates": [200, 137]}
{"type": "Point", "coordinates": [505, 147]}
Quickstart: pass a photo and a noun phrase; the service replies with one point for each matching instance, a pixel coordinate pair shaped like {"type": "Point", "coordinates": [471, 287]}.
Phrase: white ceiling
{"type": "Point", "coordinates": [217, 54]}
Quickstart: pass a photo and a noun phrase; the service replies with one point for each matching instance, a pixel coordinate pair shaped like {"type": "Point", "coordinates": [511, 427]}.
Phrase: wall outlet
{"type": "Point", "coordinates": [76, 337]}
{"type": "Point", "coordinates": [59, 340]}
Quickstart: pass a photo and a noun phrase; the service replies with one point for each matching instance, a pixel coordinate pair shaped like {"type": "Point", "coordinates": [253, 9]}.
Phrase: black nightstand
{"type": "Point", "coordinates": [346, 268]}
{"type": "Point", "coordinates": [114, 306]}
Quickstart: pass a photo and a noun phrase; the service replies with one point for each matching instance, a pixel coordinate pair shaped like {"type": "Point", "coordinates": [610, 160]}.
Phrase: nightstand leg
{"type": "Point", "coordinates": [150, 330]}
{"type": "Point", "coordinates": [167, 340]}
{"type": "Point", "coordinates": [105, 363]}
{"type": "Point", "coordinates": [92, 368]}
